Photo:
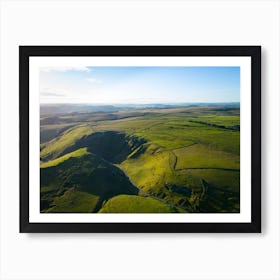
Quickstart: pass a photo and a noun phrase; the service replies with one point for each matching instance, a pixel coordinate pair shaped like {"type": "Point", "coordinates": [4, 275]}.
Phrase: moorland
{"type": "Point", "coordinates": [140, 159]}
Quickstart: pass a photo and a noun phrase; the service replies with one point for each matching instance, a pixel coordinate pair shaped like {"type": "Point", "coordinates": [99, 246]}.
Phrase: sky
{"type": "Point", "coordinates": [139, 85]}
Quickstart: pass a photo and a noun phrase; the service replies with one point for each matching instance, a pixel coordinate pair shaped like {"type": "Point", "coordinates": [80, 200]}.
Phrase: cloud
{"type": "Point", "coordinates": [93, 80]}
{"type": "Point", "coordinates": [64, 69]}
{"type": "Point", "coordinates": [44, 92]}
{"type": "Point", "coordinates": [51, 94]}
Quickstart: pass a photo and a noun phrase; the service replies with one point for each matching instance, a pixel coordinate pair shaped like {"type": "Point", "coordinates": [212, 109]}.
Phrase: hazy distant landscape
{"type": "Point", "coordinates": [140, 158]}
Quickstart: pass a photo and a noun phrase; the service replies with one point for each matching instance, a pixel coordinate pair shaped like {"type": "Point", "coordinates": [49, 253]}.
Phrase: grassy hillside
{"type": "Point", "coordinates": [78, 153]}
{"type": "Point", "coordinates": [136, 204]}
{"type": "Point", "coordinates": [48, 132]}
{"type": "Point", "coordinates": [202, 156]}
{"type": "Point", "coordinates": [67, 182]}
{"type": "Point", "coordinates": [60, 145]}
{"type": "Point", "coordinates": [74, 201]}
{"type": "Point", "coordinates": [186, 156]}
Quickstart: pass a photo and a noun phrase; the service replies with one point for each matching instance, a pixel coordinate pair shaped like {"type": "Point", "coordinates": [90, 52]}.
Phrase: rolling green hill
{"type": "Point", "coordinates": [59, 146]}
{"type": "Point", "coordinates": [80, 181]}
{"type": "Point", "coordinates": [78, 153]}
{"type": "Point", "coordinates": [136, 204]}
{"type": "Point", "coordinates": [185, 158]}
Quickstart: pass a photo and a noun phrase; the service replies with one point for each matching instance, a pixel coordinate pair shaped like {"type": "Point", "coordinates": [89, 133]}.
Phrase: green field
{"type": "Point", "coordinates": [149, 160]}
{"type": "Point", "coordinates": [136, 204]}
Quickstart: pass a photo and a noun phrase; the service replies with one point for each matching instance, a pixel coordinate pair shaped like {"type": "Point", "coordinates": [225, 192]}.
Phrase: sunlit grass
{"type": "Point", "coordinates": [77, 153]}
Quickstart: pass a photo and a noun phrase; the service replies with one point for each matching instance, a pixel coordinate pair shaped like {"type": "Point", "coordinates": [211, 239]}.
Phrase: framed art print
{"type": "Point", "coordinates": [140, 138]}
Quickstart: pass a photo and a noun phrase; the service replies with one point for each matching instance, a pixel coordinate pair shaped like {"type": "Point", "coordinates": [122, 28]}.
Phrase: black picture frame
{"type": "Point", "coordinates": [254, 52]}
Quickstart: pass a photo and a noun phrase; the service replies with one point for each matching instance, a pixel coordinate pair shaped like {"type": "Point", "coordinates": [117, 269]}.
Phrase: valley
{"type": "Point", "coordinates": [140, 159]}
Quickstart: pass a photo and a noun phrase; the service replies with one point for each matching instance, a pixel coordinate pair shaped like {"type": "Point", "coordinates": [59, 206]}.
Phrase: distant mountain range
{"type": "Point", "coordinates": [57, 109]}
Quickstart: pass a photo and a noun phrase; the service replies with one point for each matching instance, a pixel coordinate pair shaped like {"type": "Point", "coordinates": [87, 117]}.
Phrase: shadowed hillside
{"type": "Point", "coordinates": [83, 174]}
{"type": "Point", "coordinates": [112, 146]}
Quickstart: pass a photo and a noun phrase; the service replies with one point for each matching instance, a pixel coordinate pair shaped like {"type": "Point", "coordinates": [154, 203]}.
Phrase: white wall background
{"type": "Point", "coordinates": [139, 256]}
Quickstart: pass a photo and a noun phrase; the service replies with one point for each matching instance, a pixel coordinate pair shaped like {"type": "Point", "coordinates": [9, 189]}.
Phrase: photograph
{"type": "Point", "coordinates": [139, 139]}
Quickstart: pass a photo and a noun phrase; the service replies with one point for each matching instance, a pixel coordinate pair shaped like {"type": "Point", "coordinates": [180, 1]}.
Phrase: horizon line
{"type": "Point", "coordinates": [156, 103]}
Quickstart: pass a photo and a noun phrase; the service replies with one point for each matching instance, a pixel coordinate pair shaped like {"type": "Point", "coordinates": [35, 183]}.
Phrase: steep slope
{"type": "Point", "coordinates": [78, 153]}
{"type": "Point", "coordinates": [60, 145]}
{"type": "Point", "coordinates": [80, 174]}
{"type": "Point", "coordinates": [111, 145]}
